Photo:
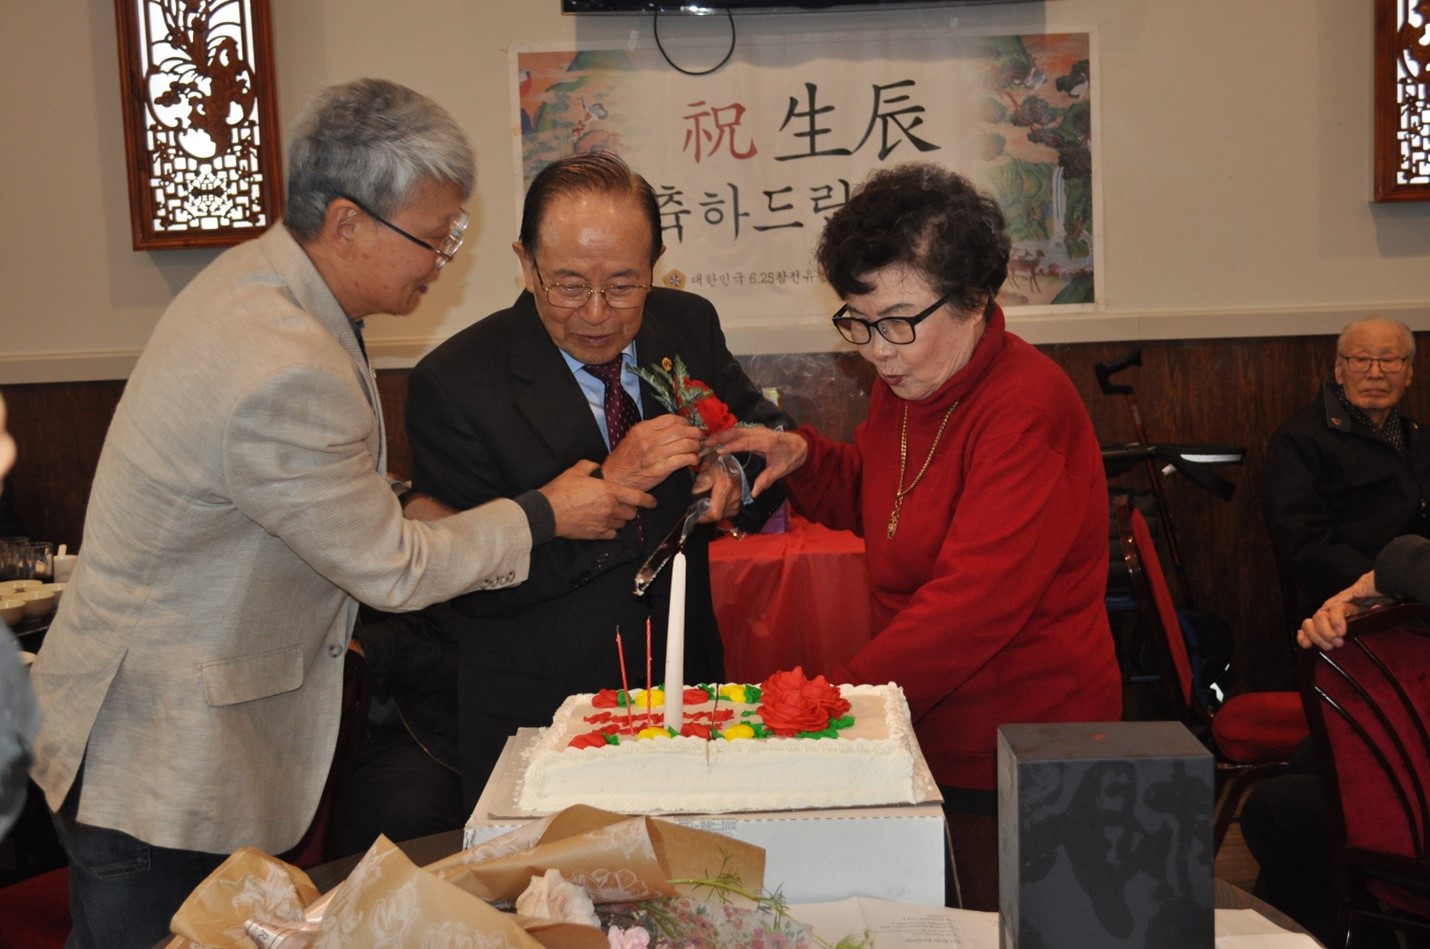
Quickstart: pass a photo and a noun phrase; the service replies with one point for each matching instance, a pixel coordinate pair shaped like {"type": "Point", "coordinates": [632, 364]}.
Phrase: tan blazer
{"type": "Point", "coordinates": [238, 509]}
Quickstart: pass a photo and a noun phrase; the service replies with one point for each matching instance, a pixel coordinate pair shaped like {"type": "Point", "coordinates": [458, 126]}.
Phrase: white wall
{"type": "Point", "coordinates": [1234, 142]}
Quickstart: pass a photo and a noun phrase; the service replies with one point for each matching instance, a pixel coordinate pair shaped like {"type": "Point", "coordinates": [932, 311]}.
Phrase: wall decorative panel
{"type": "Point", "coordinates": [200, 125]}
{"type": "Point", "coordinates": [1402, 105]}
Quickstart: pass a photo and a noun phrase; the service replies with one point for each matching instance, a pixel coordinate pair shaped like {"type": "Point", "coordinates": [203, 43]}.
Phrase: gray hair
{"type": "Point", "coordinates": [1405, 333]}
{"type": "Point", "coordinates": [373, 140]}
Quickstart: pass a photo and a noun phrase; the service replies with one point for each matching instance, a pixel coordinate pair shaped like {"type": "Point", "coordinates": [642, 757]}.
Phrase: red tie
{"type": "Point", "coordinates": [621, 411]}
{"type": "Point", "coordinates": [621, 414]}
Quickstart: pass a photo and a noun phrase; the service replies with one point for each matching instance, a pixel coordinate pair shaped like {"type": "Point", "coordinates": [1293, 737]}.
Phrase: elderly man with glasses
{"type": "Point", "coordinates": [1348, 472]}
{"type": "Point", "coordinates": [523, 394]}
{"type": "Point", "coordinates": [190, 683]}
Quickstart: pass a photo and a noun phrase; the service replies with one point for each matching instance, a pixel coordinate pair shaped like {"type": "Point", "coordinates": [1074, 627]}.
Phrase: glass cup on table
{"type": "Point", "coordinates": [39, 555]}
{"type": "Point", "coordinates": [12, 558]}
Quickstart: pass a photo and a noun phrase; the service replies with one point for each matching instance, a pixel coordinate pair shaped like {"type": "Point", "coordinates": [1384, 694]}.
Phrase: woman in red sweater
{"type": "Point", "coordinates": [977, 484]}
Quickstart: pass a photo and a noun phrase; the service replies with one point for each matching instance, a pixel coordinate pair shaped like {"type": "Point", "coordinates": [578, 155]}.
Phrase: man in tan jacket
{"type": "Point", "coordinates": [190, 683]}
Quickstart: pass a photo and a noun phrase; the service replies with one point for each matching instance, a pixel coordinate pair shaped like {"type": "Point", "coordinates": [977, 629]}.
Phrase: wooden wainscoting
{"type": "Point", "coordinates": [1206, 391]}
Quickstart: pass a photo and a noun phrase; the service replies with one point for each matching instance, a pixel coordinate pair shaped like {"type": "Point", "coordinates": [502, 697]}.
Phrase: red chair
{"type": "Point", "coordinates": [1368, 704]}
{"type": "Point", "coordinates": [35, 913]}
{"type": "Point", "coordinates": [1252, 735]}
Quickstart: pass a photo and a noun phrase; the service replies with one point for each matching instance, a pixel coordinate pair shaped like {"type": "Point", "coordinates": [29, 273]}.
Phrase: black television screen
{"type": "Point", "coordinates": [750, 6]}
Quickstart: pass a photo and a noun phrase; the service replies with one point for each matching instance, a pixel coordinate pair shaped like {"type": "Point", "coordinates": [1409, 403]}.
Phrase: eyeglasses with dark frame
{"type": "Point", "coordinates": [1389, 365]}
{"type": "Point", "coordinates": [570, 296]}
{"type": "Point", "coordinates": [450, 244]}
{"type": "Point", "coordinates": [898, 330]}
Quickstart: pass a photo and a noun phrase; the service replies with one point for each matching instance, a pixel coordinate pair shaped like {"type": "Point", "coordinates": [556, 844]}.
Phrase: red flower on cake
{"type": "Point", "coordinates": [696, 730]}
{"type": "Point", "coordinates": [588, 740]}
{"type": "Point", "coordinates": [792, 703]}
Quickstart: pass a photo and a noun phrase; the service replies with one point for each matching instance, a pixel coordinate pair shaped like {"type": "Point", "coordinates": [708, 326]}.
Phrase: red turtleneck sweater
{"type": "Point", "coordinates": [989, 602]}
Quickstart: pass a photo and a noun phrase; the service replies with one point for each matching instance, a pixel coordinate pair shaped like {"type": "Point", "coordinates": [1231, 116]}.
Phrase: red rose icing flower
{"type": "Point", "coordinates": [694, 695]}
{"type": "Point", "coordinates": [588, 740]}
{"type": "Point", "coordinates": [696, 730]}
{"type": "Point", "coordinates": [792, 703]}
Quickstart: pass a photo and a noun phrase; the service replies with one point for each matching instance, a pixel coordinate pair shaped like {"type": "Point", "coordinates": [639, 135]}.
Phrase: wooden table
{"type": "Point", "coordinates": [800, 598]}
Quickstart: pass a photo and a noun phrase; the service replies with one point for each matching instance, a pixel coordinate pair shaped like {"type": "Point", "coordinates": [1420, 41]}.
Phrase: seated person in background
{"type": "Point", "coordinates": [405, 783]}
{"type": "Point", "coordinates": [1348, 472]}
{"type": "Point", "coordinates": [977, 484]}
{"type": "Point", "coordinates": [517, 397]}
{"type": "Point", "coordinates": [1284, 819]}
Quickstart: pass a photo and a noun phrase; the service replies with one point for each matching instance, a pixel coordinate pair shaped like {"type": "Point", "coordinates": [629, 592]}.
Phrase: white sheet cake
{"type": "Point", "coordinates": [869, 762]}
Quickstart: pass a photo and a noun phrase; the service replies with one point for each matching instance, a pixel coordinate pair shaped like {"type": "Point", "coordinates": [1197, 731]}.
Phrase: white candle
{"type": "Point", "coordinates": [675, 647]}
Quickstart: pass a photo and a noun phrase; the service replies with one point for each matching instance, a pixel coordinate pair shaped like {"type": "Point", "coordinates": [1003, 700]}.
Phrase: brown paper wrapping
{"type": "Point", "coordinates": [216, 913]}
{"type": "Point", "coordinates": [614, 858]}
{"type": "Point", "coordinates": [255, 900]}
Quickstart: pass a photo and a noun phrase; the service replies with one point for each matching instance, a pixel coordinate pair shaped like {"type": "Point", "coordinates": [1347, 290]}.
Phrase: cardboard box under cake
{"type": "Point", "coordinates": [811, 856]}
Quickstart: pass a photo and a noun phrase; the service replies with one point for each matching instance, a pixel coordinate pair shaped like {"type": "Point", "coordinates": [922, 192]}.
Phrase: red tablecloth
{"type": "Point", "coordinates": [800, 598]}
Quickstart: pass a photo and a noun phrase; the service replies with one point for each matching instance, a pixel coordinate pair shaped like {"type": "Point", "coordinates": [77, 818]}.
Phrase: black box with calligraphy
{"type": "Point", "coordinates": [1105, 836]}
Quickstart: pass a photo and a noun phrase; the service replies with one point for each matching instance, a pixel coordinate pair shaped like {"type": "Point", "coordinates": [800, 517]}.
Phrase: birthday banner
{"type": "Point", "coordinates": [749, 161]}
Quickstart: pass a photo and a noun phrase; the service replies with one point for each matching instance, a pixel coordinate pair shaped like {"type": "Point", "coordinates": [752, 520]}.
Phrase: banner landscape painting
{"type": "Point", "coordinates": [747, 162]}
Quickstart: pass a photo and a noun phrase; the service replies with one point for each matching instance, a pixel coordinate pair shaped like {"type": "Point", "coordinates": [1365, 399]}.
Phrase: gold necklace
{"type": "Point", "coordinates": [902, 491]}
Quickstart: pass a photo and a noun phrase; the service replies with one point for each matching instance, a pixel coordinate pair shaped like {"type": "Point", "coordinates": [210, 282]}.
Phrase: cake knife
{"type": "Point", "coordinates": [671, 543]}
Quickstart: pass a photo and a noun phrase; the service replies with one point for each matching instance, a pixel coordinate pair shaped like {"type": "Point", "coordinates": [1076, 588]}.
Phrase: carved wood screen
{"type": "Point", "coordinates": [1402, 106]}
{"type": "Point", "coordinates": [200, 125]}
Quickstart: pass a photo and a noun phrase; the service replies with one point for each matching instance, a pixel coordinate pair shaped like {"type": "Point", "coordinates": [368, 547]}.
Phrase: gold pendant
{"type": "Point", "coordinates": [893, 523]}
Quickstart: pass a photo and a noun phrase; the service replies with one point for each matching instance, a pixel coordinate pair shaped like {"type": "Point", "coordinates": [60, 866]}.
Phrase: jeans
{"type": "Point", "coordinates": [123, 892]}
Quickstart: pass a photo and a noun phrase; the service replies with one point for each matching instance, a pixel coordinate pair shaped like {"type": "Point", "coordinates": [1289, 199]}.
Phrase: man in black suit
{"type": "Point", "coordinates": [508, 403]}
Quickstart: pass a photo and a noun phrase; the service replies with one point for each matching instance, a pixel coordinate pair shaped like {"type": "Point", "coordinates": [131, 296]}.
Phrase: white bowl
{"type": "Point", "coordinates": [37, 602]}
{"type": "Point", "coordinates": [12, 610]}
{"type": "Point", "coordinates": [58, 589]}
{"type": "Point", "coordinates": [15, 586]}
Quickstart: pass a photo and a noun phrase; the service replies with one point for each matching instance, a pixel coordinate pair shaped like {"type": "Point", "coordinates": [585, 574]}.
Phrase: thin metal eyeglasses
{"type": "Point", "coordinates": [898, 330]}
{"type": "Point", "coordinates": [450, 244]}
{"type": "Point", "coordinates": [1389, 365]}
{"type": "Point", "coordinates": [620, 296]}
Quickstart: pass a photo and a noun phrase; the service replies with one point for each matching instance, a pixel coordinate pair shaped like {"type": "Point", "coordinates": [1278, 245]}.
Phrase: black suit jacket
{"type": "Point", "coordinates": [1335, 493]}
{"type": "Point", "coordinates": [495, 411]}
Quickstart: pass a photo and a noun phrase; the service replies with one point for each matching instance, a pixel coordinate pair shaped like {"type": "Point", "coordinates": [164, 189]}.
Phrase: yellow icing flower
{"type": "Point", "coordinates": [735, 732]}
{"type": "Point", "coordinates": [653, 732]}
{"type": "Point", "coordinates": [734, 693]}
{"type": "Point", "coordinates": [648, 699]}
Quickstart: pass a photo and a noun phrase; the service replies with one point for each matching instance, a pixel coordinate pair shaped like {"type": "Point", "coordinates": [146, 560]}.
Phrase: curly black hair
{"type": "Point", "coordinates": [925, 217]}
